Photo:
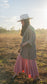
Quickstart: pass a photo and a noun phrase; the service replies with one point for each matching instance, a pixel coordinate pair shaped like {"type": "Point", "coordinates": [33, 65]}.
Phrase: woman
{"type": "Point", "coordinates": [26, 59]}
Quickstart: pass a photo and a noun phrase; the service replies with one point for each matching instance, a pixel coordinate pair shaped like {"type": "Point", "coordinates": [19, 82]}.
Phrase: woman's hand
{"type": "Point", "coordinates": [23, 44]}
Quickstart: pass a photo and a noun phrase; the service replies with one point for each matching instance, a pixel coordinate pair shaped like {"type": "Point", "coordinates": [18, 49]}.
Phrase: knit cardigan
{"type": "Point", "coordinates": [29, 50]}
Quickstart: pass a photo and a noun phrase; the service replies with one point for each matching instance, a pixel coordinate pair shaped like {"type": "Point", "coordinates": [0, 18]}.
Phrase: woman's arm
{"type": "Point", "coordinates": [30, 38]}
{"type": "Point", "coordinates": [23, 44]}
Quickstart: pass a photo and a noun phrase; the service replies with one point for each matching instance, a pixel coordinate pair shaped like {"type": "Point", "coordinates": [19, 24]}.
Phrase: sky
{"type": "Point", "coordinates": [10, 11]}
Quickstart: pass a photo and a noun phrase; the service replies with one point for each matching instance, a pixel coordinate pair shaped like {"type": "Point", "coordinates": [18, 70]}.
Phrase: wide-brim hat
{"type": "Point", "coordinates": [24, 17]}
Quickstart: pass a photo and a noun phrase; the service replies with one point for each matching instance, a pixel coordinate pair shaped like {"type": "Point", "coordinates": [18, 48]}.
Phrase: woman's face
{"type": "Point", "coordinates": [22, 22]}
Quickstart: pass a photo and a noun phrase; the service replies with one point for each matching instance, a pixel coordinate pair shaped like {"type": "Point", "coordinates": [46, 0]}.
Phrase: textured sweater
{"type": "Point", "coordinates": [29, 50]}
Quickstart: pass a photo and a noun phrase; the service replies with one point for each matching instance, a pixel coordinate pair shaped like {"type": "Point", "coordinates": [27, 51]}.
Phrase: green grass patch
{"type": "Point", "coordinates": [1, 61]}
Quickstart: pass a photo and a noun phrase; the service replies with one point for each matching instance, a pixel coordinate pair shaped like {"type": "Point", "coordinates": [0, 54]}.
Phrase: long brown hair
{"type": "Point", "coordinates": [26, 23]}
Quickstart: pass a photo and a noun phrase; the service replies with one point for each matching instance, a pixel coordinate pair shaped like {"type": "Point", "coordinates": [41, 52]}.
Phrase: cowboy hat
{"type": "Point", "coordinates": [23, 17]}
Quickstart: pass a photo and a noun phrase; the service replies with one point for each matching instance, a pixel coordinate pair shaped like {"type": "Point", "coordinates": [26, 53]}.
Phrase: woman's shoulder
{"type": "Point", "coordinates": [30, 28]}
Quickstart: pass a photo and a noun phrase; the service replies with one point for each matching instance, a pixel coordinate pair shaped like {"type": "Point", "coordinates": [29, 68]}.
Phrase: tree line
{"type": "Point", "coordinates": [12, 30]}
{"type": "Point", "coordinates": [3, 30]}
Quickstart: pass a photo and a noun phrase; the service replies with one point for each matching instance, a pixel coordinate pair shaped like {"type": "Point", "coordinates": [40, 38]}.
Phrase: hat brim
{"type": "Point", "coordinates": [23, 19]}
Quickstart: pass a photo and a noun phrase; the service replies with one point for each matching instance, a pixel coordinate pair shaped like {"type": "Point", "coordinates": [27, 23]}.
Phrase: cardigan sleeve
{"type": "Point", "coordinates": [31, 37]}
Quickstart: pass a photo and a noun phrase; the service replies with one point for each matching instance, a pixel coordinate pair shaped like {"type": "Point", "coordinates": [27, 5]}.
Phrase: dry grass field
{"type": "Point", "coordinates": [9, 45]}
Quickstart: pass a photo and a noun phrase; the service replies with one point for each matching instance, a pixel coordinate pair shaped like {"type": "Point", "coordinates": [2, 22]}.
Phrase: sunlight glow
{"type": "Point", "coordinates": [45, 15]}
